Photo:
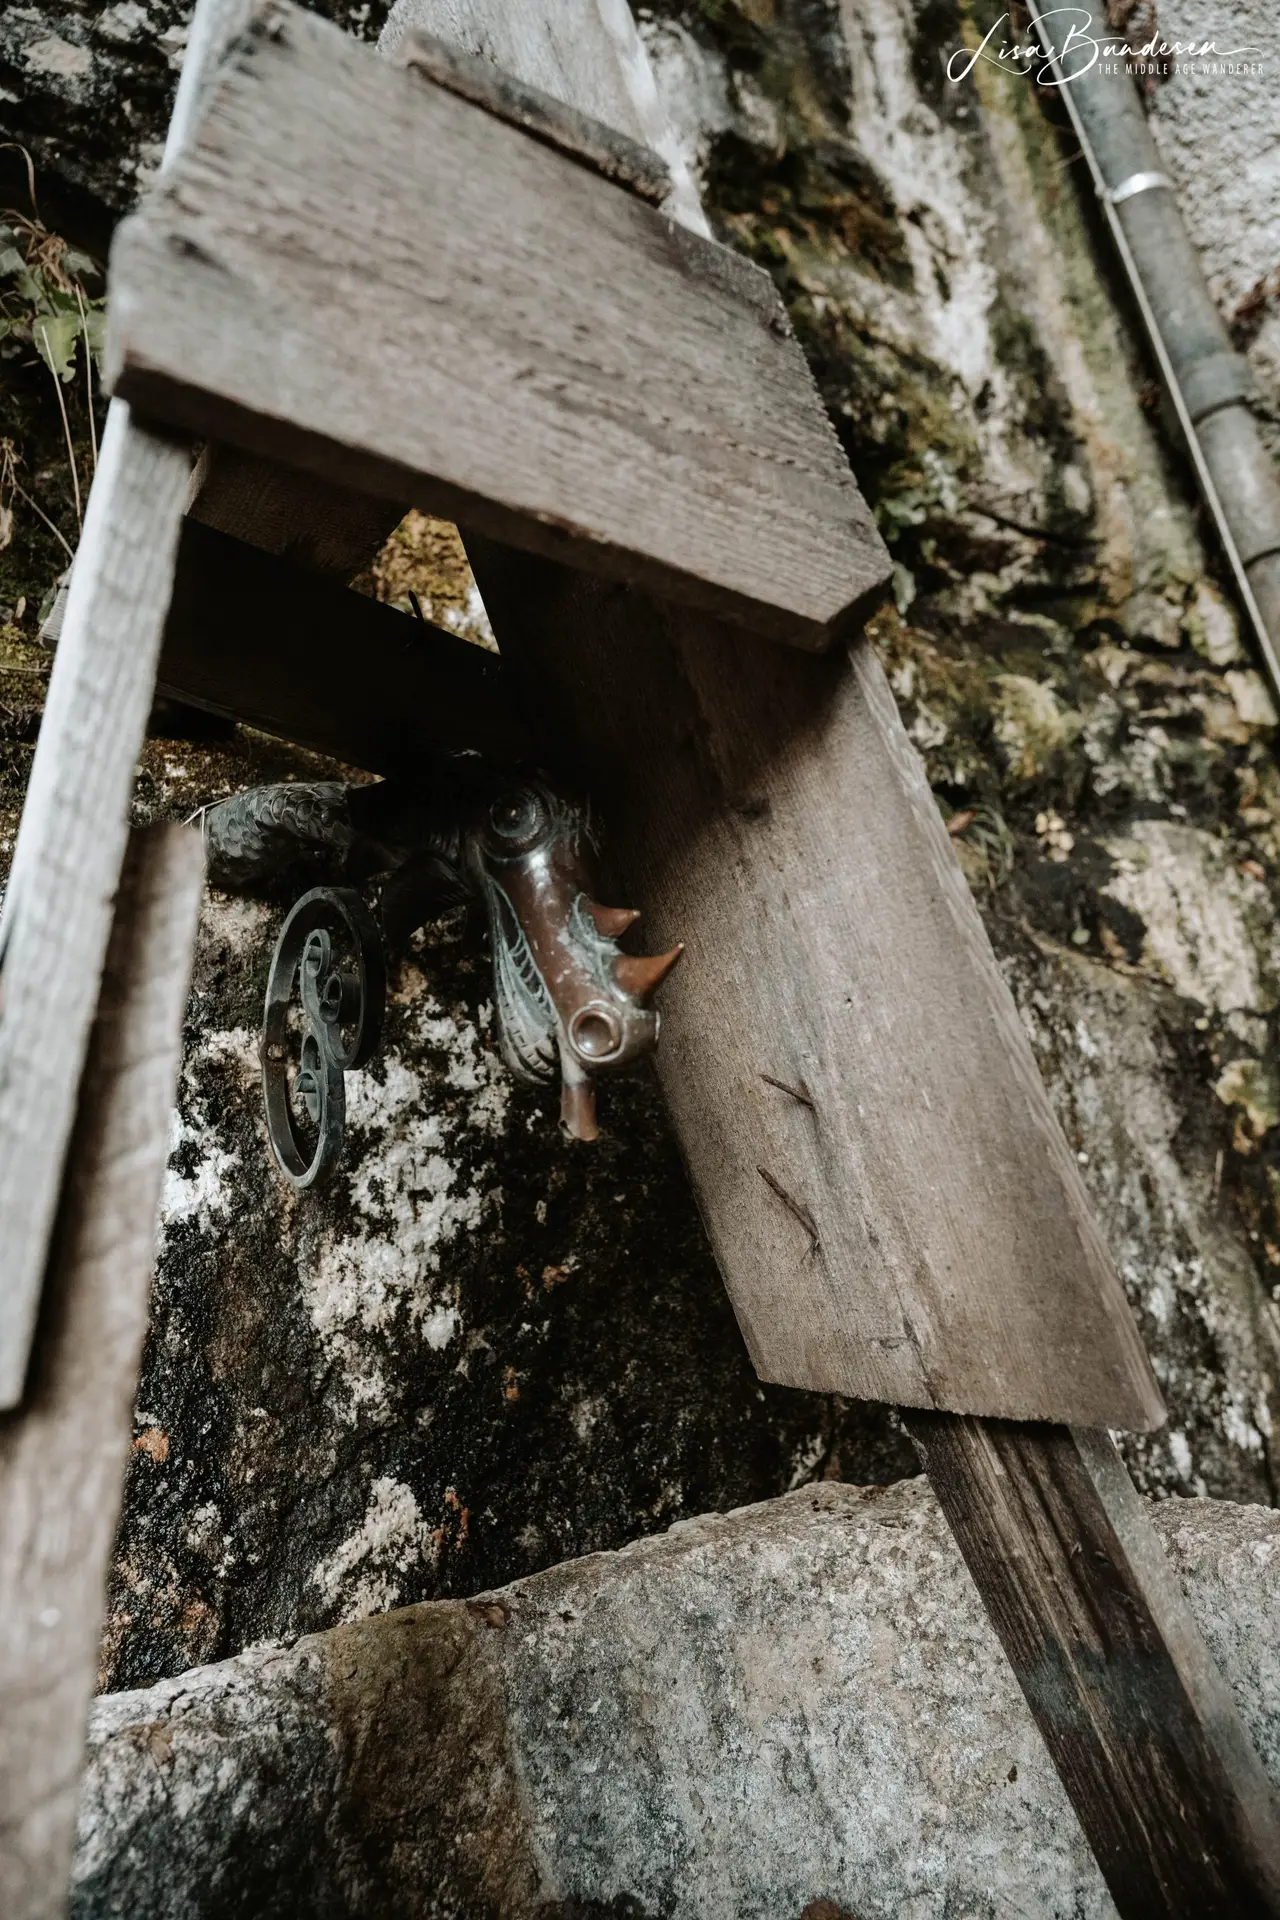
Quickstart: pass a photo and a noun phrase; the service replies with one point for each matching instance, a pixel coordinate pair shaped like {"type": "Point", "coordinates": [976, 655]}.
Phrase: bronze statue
{"type": "Point", "coordinates": [568, 999]}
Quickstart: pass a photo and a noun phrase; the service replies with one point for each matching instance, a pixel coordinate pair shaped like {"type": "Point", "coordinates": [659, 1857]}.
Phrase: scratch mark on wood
{"type": "Point", "coordinates": [794, 1207]}
{"type": "Point", "coordinates": [800, 1093]}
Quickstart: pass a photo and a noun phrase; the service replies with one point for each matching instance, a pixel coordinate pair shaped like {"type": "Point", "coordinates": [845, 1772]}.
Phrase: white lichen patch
{"type": "Point", "coordinates": [410, 1198]}
{"type": "Point", "coordinates": [365, 1575]}
{"type": "Point", "coordinates": [242, 924]}
{"type": "Point", "coordinates": [1210, 928]}
{"type": "Point", "coordinates": [210, 1192]}
{"type": "Point", "coordinates": [1253, 702]}
{"type": "Point", "coordinates": [60, 58]}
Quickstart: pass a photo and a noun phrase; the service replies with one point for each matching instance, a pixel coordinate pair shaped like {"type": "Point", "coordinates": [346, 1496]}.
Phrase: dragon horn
{"type": "Point", "coordinates": [612, 921]}
{"type": "Point", "coordinates": [641, 975]}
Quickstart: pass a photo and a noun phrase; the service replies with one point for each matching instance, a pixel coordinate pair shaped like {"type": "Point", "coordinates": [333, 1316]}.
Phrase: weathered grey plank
{"type": "Point", "coordinates": [908, 1223]}
{"type": "Point", "coordinates": [592, 59]}
{"type": "Point", "coordinates": [624, 161]}
{"type": "Point", "coordinates": [1141, 1726]}
{"type": "Point", "coordinates": [362, 274]}
{"type": "Point", "coordinates": [62, 1456]}
{"type": "Point", "coordinates": [283, 648]}
{"type": "Point", "coordinates": [335, 529]}
{"type": "Point", "coordinates": [71, 841]}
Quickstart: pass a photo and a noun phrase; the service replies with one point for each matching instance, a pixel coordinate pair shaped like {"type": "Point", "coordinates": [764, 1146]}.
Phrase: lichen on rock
{"type": "Point", "coordinates": [483, 1351]}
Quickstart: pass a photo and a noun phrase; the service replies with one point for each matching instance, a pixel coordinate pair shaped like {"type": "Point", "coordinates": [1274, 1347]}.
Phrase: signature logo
{"type": "Point", "coordinates": [1069, 40]}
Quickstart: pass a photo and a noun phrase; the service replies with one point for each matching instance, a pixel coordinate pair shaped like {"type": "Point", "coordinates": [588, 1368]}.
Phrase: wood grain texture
{"type": "Point", "coordinates": [588, 141]}
{"type": "Point", "coordinates": [284, 649]}
{"type": "Point", "coordinates": [364, 275]}
{"type": "Point", "coordinates": [329, 529]}
{"type": "Point", "coordinates": [62, 1456]}
{"type": "Point", "coordinates": [591, 57]}
{"type": "Point", "coordinates": [336, 529]}
{"type": "Point", "coordinates": [1141, 1726]}
{"type": "Point", "coordinates": [71, 841]}
{"type": "Point", "coordinates": [770, 811]}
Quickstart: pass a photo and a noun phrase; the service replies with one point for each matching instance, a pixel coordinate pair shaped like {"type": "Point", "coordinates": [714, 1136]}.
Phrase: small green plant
{"type": "Point", "coordinates": [46, 308]}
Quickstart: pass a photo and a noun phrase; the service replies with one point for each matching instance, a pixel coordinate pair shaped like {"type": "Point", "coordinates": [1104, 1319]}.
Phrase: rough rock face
{"type": "Point", "coordinates": [481, 1350]}
{"type": "Point", "coordinates": [801, 1702]}
{"type": "Point", "coordinates": [485, 1352]}
{"type": "Point", "coordinates": [87, 88]}
{"type": "Point", "coordinates": [1063, 653]}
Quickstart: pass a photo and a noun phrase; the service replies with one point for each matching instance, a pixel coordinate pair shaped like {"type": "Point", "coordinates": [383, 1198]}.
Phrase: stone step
{"type": "Point", "coordinates": [797, 1709]}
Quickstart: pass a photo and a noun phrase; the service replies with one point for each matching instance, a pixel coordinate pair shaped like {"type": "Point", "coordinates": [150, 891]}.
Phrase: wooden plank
{"type": "Point", "coordinates": [337, 530]}
{"type": "Point", "coordinates": [71, 841]}
{"type": "Point", "coordinates": [593, 61]}
{"type": "Point", "coordinates": [907, 1224]}
{"type": "Point", "coordinates": [1141, 1726]}
{"type": "Point", "coordinates": [624, 161]}
{"type": "Point", "coordinates": [364, 275]}
{"type": "Point", "coordinates": [62, 1456]}
{"type": "Point", "coordinates": [283, 648]}
{"type": "Point", "coordinates": [313, 523]}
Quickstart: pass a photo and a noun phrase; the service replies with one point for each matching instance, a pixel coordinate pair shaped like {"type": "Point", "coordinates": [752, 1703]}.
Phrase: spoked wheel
{"type": "Point", "coordinates": [325, 999]}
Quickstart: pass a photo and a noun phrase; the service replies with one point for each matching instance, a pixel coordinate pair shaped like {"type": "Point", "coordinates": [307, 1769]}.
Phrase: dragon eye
{"type": "Point", "coordinates": [517, 817]}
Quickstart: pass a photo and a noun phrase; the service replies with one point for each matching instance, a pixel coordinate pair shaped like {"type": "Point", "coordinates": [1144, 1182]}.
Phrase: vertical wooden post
{"type": "Point", "coordinates": [71, 842]}
{"type": "Point", "coordinates": [1138, 1720]}
{"type": "Point", "coordinates": [62, 1455]}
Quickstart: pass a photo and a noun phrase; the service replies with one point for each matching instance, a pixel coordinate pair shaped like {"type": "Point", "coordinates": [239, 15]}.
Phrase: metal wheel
{"type": "Point", "coordinates": [325, 998]}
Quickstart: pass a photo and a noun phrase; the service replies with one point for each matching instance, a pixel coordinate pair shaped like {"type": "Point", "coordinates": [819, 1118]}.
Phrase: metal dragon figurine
{"type": "Point", "coordinates": [568, 999]}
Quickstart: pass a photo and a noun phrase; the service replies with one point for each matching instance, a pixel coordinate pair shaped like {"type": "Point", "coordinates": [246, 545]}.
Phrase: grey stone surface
{"type": "Point", "coordinates": [794, 1702]}
{"type": "Point", "coordinates": [483, 1353]}
{"type": "Point", "coordinates": [87, 88]}
{"type": "Point", "coordinates": [1215, 122]}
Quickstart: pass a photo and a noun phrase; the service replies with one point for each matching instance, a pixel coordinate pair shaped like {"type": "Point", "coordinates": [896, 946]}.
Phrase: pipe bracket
{"type": "Point", "coordinates": [1135, 183]}
{"type": "Point", "coordinates": [1219, 380]}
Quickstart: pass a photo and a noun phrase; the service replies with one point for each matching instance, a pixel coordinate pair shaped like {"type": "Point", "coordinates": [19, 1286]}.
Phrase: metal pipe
{"type": "Point", "coordinates": [1209, 383]}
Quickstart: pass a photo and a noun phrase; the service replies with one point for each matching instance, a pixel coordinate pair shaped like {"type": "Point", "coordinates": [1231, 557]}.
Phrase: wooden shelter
{"type": "Point", "coordinates": [466, 279]}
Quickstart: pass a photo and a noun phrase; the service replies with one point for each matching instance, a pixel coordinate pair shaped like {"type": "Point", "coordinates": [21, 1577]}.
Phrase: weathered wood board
{"type": "Point", "coordinates": [1140, 1723]}
{"type": "Point", "coordinates": [362, 274]}
{"type": "Point", "coordinates": [72, 837]}
{"type": "Point", "coordinates": [590, 142]}
{"type": "Point", "coordinates": [335, 529]}
{"type": "Point", "coordinates": [907, 1223]}
{"type": "Point", "coordinates": [71, 841]}
{"type": "Point", "coordinates": [282, 648]}
{"type": "Point", "coordinates": [63, 1454]}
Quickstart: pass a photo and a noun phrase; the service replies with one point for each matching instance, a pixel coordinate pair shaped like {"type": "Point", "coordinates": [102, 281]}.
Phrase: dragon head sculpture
{"type": "Point", "coordinates": [569, 1001]}
{"type": "Point", "coordinates": [567, 996]}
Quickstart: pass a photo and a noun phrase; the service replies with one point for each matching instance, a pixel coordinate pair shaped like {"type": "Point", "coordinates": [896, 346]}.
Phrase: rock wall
{"type": "Point", "coordinates": [485, 1351]}
{"type": "Point", "coordinates": [796, 1712]}
{"type": "Point", "coordinates": [1062, 646]}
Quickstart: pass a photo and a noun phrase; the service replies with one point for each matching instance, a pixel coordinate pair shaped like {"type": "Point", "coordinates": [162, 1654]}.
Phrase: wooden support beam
{"type": "Point", "coordinates": [1141, 1726]}
{"type": "Point", "coordinates": [344, 246]}
{"type": "Point", "coordinates": [894, 1208]}
{"type": "Point", "coordinates": [286, 649]}
{"type": "Point", "coordinates": [63, 1454]}
{"type": "Point", "coordinates": [71, 842]}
